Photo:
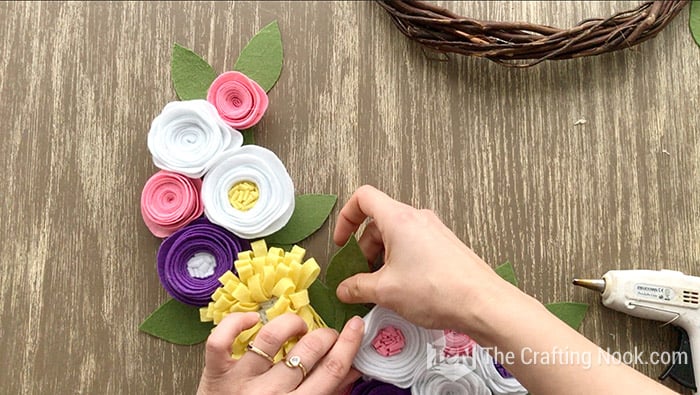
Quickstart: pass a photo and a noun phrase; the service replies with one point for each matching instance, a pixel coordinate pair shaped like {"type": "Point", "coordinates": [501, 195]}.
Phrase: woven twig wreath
{"type": "Point", "coordinates": [507, 43]}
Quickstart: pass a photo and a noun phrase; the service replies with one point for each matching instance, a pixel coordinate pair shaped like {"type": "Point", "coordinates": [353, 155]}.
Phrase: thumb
{"type": "Point", "coordinates": [360, 288]}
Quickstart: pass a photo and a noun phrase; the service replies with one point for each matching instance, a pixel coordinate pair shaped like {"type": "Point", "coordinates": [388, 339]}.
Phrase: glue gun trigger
{"type": "Point", "coordinates": [682, 373]}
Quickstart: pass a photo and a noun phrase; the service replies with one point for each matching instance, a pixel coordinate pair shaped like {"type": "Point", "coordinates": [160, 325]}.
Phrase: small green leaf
{"type": "Point", "coordinates": [507, 272]}
{"type": "Point", "coordinates": [348, 311]}
{"type": "Point", "coordinates": [248, 136]}
{"type": "Point", "coordinates": [569, 312]}
{"type": "Point", "coordinates": [310, 212]}
{"type": "Point", "coordinates": [322, 301]}
{"type": "Point", "coordinates": [334, 312]}
{"type": "Point", "coordinates": [347, 262]}
{"type": "Point", "coordinates": [177, 323]}
{"type": "Point", "coordinates": [261, 59]}
{"type": "Point", "coordinates": [191, 74]}
{"type": "Point", "coordinates": [695, 20]}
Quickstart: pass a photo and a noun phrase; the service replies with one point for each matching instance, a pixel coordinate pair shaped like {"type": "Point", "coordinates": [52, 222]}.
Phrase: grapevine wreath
{"type": "Point", "coordinates": [507, 43]}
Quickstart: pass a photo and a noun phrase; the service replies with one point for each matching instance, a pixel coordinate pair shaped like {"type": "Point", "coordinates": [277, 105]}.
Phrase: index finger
{"type": "Point", "coordinates": [334, 370]}
{"type": "Point", "coordinates": [366, 201]}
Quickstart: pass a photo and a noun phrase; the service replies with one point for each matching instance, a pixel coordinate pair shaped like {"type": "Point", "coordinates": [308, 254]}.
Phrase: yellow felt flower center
{"type": "Point", "coordinates": [270, 282]}
{"type": "Point", "coordinates": [243, 195]}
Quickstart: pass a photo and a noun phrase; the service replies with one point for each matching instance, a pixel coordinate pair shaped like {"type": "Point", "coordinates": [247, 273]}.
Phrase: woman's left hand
{"type": "Point", "coordinates": [325, 355]}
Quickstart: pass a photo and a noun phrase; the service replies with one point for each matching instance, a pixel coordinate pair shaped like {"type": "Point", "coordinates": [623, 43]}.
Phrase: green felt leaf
{"type": "Point", "coordinates": [323, 301]}
{"type": "Point", "coordinates": [348, 311]}
{"type": "Point", "coordinates": [695, 20]}
{"type": "Point", "coordinates": [507, 272]}
{"type": "Point", "coordinates": [340, 320]}
{"type": "Point", "coordinates": [310, 212]}
{"type": "Point", "coordinates": [177, 323]}
{"type": "Point", "coordinates": [334, 312]}
{"type": "Point", "coordinates": [261, 59]}
{"type": "Point", "coordinates": [191, 74]}
{"type": "Point", "coordinates": [347, 262]}
{"type": "Point", "coordinates": [569, 312]}
{"type": "Point", "coordinates": [248, 136]}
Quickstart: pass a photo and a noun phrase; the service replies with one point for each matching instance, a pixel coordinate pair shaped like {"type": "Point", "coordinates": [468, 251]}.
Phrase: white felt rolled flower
{"type": "Point", "coordinates": [449, 379]}
{"type": "Point", "coordinates": [498, 380]}
{"type": "Point", "coordinates": [249, 192]}
{"type": "Point", "coordinates": [399, 369]}
{"type": "Point", "coordinates": [188, 136]}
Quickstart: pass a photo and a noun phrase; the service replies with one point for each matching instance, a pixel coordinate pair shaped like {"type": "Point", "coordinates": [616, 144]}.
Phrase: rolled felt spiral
{"type": "Point", "coordinates": [187, 136]}
{"type": "Point", "coordinates": [249, 192]}
{"type": "Point", "coordinates": [499, 381]}
{"type": "Point", "coordinates": [457, 343]}
{"type": "Point", "coordinates": [399, 369]}
{"type": "Point", "coordinates": [449, 379]}
{"type": "Point", "coordinates": [181, 256]}
{"type": "Point", "coordinates": [240, 101]}
{"type": "Point", "coordinates": [170, 201]}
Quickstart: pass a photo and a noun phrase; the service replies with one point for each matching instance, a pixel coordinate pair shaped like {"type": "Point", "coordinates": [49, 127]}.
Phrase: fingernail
{"type": "Point", "coordinates": [356, 323]}
{"type": "Point", "coordinates": [343, 292]}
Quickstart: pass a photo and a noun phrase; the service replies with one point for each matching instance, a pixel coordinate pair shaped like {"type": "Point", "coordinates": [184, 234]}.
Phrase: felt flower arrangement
{"type": "Point", "coordinates": [218, 197]}
{"type": "Point", "coordinates": [407, 368]}
{"type": "Point", "coordinates": [399, 357]}
{"type": "Point", "coordinates": [227, 211]}
{"type": "Point", "coordinates": [227, 208]}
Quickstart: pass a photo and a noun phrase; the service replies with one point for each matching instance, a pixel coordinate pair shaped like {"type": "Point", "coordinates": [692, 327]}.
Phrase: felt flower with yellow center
{"type": "Point", "coordinates": [249, 192]}
{"type": "Point", "coordinates": [271, 282]}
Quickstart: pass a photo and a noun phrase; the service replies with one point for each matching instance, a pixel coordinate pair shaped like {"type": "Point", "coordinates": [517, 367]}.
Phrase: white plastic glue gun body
{"type": "Point", "coordinates": [665, 295]}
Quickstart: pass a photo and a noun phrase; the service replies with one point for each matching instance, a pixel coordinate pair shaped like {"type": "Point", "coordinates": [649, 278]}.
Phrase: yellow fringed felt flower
{"type": "Point", "coordinates": [271, 282]}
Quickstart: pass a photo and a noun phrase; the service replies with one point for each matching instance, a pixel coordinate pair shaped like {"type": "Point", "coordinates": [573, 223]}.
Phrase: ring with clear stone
{"type": "Point", "coordinates": [295, 362]}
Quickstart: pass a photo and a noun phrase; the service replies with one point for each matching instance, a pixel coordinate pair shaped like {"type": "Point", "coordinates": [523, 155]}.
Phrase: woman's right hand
{"type": "Point", "coordinates": [428, 273]}
{"type": "Point", "coordinates": [432, 279]}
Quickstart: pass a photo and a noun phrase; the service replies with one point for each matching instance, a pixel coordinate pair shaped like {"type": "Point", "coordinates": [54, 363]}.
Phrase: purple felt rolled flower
{"type": "Point", "coordinates": [376, 387]}
{"type": "Point", "coordinates": [192, 259]}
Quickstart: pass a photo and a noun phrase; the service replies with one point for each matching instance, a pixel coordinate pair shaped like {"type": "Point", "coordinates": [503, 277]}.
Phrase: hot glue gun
{"type": "Point", "coordinates": [664, 295]}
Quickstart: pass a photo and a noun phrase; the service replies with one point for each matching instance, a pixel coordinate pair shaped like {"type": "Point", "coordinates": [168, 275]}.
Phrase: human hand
{"type": "Point", "coordinates": [429, 276]}
{"type": "Point", "coordinates": [432, 279]}
{"type": "Point", "coordinates": [325, 355]}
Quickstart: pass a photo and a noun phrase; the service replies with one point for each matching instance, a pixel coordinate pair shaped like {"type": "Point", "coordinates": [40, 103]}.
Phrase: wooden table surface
{"type": "Point", "coordinates": [495, 152]}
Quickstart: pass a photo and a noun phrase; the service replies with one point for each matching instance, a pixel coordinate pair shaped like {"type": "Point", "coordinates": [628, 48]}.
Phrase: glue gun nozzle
{"type": "Point", "coordinates": [595, 285]}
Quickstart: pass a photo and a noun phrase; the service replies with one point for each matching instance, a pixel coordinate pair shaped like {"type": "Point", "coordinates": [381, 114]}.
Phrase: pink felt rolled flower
{"type": "Point", "coordinates": [170, 201]}
{"type": "Point", "coordinates": [389, 341]}
{"type": "Point", "coordinates": [457, 344]}
{"type": "Point", "coordinates": [240, 101]}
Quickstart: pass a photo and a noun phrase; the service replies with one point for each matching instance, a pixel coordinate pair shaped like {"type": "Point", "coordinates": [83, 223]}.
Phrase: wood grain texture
{"type": "Point", "coordinates": [493, 151]}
